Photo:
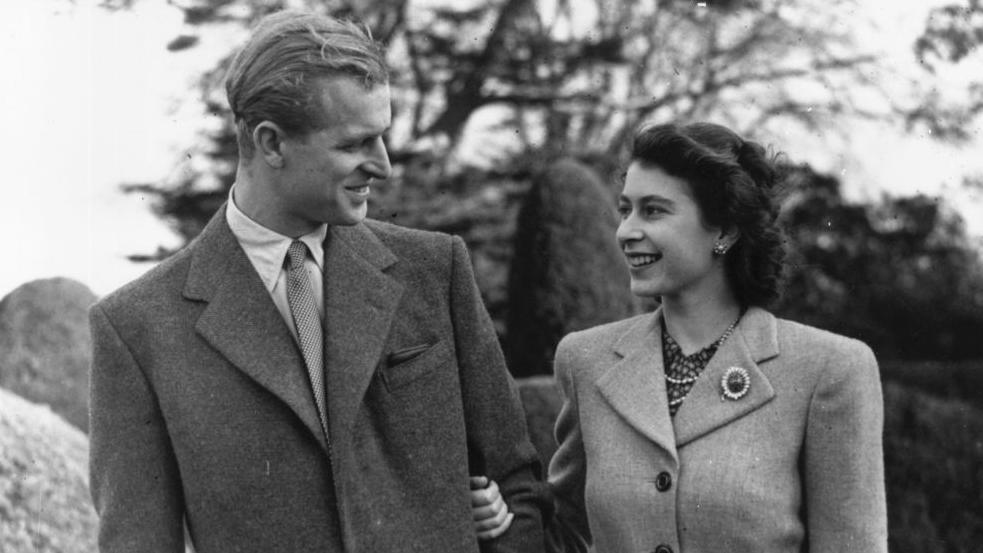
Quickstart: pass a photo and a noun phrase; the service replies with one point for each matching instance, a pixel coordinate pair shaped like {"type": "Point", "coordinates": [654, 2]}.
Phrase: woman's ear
{"type": "Point", "coordinates": [728, 237]}
{"type": "Point", "coordinates": [268, 141]}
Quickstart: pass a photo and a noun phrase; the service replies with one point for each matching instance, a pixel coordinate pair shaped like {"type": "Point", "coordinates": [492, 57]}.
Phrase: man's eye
{"type": "Point", "coordinates": [624, 211]}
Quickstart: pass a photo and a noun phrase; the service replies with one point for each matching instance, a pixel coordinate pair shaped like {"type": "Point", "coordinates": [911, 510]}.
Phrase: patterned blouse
{"type": "Point", "coordinates": [682, 370]}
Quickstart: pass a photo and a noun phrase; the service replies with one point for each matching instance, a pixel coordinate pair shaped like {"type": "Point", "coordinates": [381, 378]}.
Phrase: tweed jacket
{"type": "Point", "coordinates": [795, 465]}
{"type": "Point", "coordinates": [202, 411]}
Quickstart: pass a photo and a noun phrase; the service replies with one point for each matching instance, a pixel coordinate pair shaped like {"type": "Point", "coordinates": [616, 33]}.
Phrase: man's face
{"type": "Point", "coordinates": [326, 174]}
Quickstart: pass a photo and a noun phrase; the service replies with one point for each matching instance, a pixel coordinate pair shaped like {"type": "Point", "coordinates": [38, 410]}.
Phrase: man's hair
{"type": "Point", "coordinates": [735, 183]}
{"type": "Point", "coordinates": [274, 77]}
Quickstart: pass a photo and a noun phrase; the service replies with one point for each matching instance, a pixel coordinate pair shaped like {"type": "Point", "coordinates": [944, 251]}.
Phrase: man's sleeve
{"type": "Point", "coordinates": [498, 441]}
{"type": "Point", "coordinates": [133, 475]}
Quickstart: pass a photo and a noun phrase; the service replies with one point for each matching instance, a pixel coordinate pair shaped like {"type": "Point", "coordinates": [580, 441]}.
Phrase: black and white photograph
{"type": "Point", "coordinates": [496, 276]}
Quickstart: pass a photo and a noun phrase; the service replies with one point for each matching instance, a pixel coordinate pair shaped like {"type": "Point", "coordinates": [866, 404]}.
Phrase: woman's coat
{"type": "Point", "coordinates": [794, 465]}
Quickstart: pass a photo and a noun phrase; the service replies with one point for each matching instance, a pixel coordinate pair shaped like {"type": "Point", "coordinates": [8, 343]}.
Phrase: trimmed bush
{"type": "Point", "coordinates": [567, 272]}
{"type": "Point", "coordinates": [45, 345]}
{"type": "Point", "coordinates": [44, 497]}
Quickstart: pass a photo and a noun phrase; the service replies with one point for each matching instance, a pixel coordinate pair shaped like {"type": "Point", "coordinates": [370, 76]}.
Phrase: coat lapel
{"type": "Point", "coordinates": [635, 386]}
{"type": "Point", "coordinates": [360, 302]}
{"type": "Point", "coordinates": [243, 324]}
{"type": "Point", "coordinates": [705, 409]}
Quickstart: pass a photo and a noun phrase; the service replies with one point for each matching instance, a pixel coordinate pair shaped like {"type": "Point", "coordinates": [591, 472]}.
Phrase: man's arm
{"type": "Point", "coordinates": [133, 474]}
{"type": "Point", "coordinates": [498, 441]}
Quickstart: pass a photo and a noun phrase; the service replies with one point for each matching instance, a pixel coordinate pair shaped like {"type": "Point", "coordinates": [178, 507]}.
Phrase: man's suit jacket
{"type": "Point", "coordinates": [201, 408]}
{"type": "Point", "coordinates": [795, 465]}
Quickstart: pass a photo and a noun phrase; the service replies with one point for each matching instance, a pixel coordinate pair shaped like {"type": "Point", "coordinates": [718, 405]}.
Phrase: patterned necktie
{"type": "Point", "coordinates": [300, 296]}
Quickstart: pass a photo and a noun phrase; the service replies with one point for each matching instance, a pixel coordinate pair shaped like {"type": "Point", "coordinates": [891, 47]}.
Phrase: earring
{"type": "Point", "coordinates": [719, 248]}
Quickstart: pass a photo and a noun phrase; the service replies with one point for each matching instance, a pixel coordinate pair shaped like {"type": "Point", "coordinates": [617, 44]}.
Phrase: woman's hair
{"type": "Point", "coordinates": [734, 183]}
{"type": "Point", "coordinates": [274, 76]}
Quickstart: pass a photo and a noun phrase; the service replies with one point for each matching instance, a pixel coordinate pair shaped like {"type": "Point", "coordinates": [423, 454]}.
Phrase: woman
{"type": "Point", "coordinates": [711, 425]}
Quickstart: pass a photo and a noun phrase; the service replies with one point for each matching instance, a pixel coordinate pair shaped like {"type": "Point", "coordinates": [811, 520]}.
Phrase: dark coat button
{"type": "Point", "coordinates": [663, 481]}
{"type": "Point", "coordinates": [663, 549]}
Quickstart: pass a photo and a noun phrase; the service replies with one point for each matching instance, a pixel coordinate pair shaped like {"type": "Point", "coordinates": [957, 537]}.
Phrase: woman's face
{"type": "Point", "coordinates": [668, 247]}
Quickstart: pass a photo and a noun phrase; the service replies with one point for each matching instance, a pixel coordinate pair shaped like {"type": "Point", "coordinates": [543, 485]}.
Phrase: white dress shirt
{"type": "Point", "coordinates": [267, 250]}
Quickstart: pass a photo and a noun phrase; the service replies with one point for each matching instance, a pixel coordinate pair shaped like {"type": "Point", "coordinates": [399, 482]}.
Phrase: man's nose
{"type": "Point", "coordinates": [378, 163]}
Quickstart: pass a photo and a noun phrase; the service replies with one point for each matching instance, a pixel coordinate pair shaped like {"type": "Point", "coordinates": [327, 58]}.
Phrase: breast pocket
{"type": "Point", "coordinates": [404, 366]}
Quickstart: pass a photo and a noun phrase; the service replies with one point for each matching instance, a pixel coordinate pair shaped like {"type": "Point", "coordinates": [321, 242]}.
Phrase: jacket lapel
{"type": "Point", "coordinates": [243, 324]}
{"type": "Point", "coordinates": [360, 302]}
{"type": "Point", "coordinates": [705, 409]}
{"type": "Point", "coordinates": [635, 387]}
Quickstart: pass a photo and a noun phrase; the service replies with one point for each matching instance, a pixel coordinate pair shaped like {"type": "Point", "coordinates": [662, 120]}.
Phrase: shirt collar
{"type": "Point", "coordinates": [266, 248]}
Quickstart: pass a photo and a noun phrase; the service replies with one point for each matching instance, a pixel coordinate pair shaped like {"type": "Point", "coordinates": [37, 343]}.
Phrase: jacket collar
{"type": "Point", "coordinates": [635, 385]}
{"type": "Point", "coordinates": [360, 302]}
{"type": "Point", "coordinates": [705, 408]}
{"type": "Point", "coordinates": [243, 324]}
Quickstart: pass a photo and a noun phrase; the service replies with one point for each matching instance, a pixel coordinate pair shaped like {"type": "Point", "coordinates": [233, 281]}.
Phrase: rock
{"type": "Point", "coordinates": [45, 345]}
{"type": "Point", "coordinates": [44, 498]}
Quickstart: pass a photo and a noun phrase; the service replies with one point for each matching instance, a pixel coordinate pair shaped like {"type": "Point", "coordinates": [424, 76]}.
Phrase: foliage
{"type": "Point", "coordinates": [44, 497]}
{"type": "Point", "coordinates": [953, 35]}
{"type": "Point", "coordinates": [567, 272]}
{"type": "Point", "coordinates": [934, 471]}
{"type": "Point", "coordinates": [45, 347]}
{"type": "Point", "coordinates": [577, 76]}
{"type": "Point", "coordinates": [958, 380]}
{"type": "Point", "coordinates": [900, 274]}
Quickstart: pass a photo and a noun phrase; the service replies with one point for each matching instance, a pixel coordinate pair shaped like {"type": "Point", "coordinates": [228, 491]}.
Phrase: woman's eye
{"type": "Point", "coordinates": [624, 211]}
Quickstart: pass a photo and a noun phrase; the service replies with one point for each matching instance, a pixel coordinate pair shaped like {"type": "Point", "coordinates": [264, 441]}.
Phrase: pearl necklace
{"type": "Point", "coordinates": [715, 344]}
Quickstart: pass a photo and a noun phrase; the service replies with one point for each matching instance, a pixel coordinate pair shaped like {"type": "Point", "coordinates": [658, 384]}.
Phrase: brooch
{"type": "Point", "coordinates": [735, 384]}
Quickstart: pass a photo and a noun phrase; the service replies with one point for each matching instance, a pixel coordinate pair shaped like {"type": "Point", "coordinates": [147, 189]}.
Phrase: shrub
{"type": "Point", "coordinates": [567, 272]}
{"type": "Point", "coordinates": [44, 498]}
{"type": "Point", "coordinates": [45, 345]}
{"type": "Point", "coordinates": [933, 451]}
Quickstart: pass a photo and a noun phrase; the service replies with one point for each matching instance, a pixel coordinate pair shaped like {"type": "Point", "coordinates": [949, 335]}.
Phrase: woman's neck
{"type": "Point", "coordinates": [695, 323]}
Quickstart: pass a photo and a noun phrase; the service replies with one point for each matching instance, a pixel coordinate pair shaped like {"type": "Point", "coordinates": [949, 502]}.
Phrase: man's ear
{"type": "Point", "coordinates": [268, 141]}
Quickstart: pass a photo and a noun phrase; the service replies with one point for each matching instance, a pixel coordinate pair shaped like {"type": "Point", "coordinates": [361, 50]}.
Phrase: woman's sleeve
{"type": "Point", "coordinates": [567, 531]}
{"type": "Point", "coordinates": [843, 457]}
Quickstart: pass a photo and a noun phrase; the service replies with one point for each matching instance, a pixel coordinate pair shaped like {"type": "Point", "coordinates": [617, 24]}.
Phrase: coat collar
{"type": "Point", "coordinates": [242, 322]}
{"type": "Point", "coordinates": [635, 385]}
{"type": "Point", "coordinates": [360, 301]}
{"type": "Point", "coordinates": [705, 409]}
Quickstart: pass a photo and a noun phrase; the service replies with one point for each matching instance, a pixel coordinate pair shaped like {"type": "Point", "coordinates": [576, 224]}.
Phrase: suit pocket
{"type": "Point", "coordinates": [406, 365]}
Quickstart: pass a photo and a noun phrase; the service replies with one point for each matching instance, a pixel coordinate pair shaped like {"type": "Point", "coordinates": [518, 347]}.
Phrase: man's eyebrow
{"type": "Point", "coordinates": [358, 136]}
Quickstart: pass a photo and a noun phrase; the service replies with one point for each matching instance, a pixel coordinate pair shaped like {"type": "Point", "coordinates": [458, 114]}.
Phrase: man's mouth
{"type": "Point", "coordinates": [639, 260]}
{"type": "Point", "coordinates": [360, 190]}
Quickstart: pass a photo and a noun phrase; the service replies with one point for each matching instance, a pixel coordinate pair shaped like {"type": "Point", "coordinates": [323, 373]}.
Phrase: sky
{"type": "Point", "coordinates": [93, 99]}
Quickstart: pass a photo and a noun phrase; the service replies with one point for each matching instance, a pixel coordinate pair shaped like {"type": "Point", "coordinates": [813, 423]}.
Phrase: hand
{"type": "Point", "coordinates": [491, 515]}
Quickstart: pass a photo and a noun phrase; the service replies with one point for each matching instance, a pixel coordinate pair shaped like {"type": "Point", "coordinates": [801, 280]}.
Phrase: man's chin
{"type": "Point", "coordinates": [348, 218]}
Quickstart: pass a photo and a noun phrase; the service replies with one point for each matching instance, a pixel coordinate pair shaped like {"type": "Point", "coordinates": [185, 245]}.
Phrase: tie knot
{"type": "Point", "coordinates": [297, 253]}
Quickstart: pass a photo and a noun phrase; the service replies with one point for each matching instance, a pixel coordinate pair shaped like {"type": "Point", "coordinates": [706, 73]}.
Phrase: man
{"type": "Point", "coordinates": [298, 379]}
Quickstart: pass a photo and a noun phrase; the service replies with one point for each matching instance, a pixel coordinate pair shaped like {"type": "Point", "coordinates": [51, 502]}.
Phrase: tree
{"type": "Point", "coordinates": [573, 78]}
{"type": "Point", "coordinates": [900, 274]}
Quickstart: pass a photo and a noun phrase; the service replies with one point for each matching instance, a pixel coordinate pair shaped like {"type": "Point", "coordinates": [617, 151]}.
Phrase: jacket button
{"type": "Point", "coordinates": [663, 549]}
{"type": "Point", "coordinates": [663, 482]}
